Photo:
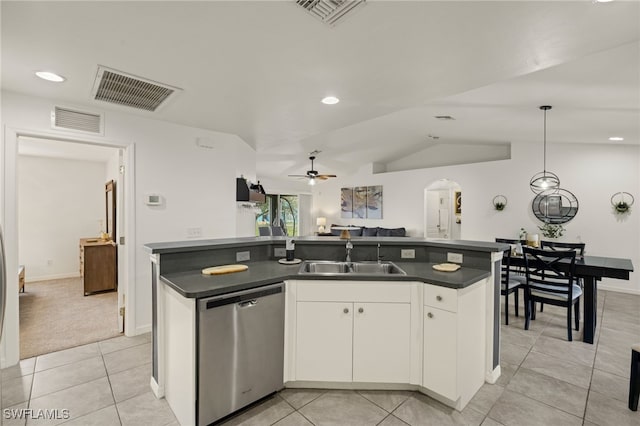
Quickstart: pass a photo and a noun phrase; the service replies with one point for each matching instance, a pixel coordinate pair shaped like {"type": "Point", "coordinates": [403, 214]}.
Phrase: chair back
{"type": "Point", "coordinates": [550, 271]}
{"type": "Point", "coordinates": [277, 231]}
{"type": "Point", "coordinates": [264, 231]}
{"type": "Point", "coordinates": [505, 267]}
{"type": "Point", "coordinates": [557, 246]}
{"type": "Point", "coordinates": [511, 241]}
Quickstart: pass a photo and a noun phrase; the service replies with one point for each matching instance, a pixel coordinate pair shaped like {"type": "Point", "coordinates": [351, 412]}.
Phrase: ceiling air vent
{"type": "Point", "coordinates": [71, 119]}
{"type": "Point", "coordinates": [329, 11]}
{"type": "Point", "coordinates": [125, 89]}
{"type": "Point", "coordinates": [444, 117]}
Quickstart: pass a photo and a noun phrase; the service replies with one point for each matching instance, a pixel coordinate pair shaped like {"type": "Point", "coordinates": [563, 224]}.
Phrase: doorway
{"type": "Point", "coordinates": [9, 221]}
{"type": "Point", "coordinates": [443, 210]}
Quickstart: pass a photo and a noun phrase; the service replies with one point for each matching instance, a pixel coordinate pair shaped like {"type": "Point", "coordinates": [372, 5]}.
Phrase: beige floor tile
{"type": "Point", "coordinates": [268, 412]}
{"type": "Point", "coordinates": [15, 391]}
{"type": "Point", "coordinates": [490, 422]}
{"type": "Point", "coordinates": [622, 321]}
{"type": "Point", "coordinates": [65, 376]}
{"type": "Point", "coordinates": [126, 359]}
{"type": "Point", "coordinates": [605, 411]}
{"type": "Point", "coordinates": [15, 415]}
{"type": "Point", "coordinates": [79, 400]}
{"type": "Point", "coordinates": [506, 373]}
{"type": "Point", "coordinates": [421, 410]}
{"type": "Point", "coordinates": [107, 416]}
{"type": "Point", "coordinates": [129, 383]}
{"type": "Point", "coordinates": [550, 391]}
{"type": "Point", "coordinates": [486, 397]}
{"type": "Point", "coordinates": [392, 420]}
{"type": "Point", "coordinates": [298, 398]}
{"type": "Point", "coordinates": [144, 410]}
{"type": "Point", "coordinates": [294, 419]}
{"type": "Point", "coordinates": [613, 361]}
{"type": "Point", "coordinates": [387, 400]}
{"type": "Point", "coordinates": [334, 407]}
{"type": "Point", "coordinates": [616, 387]}
{"type": "Point", "coordinates": [123, 342]}
{"type": "Point", "coordinates": [518, 336]}
{"type": "Point", "coordinates": [513, 409]}
{"type": "Point", "coordinates": [512, 354]}
{"type": "Point", "coordinates": [576, 351]}
{"type": "Point", "coordinates": [577, 374]}
{"type": "Point", "coordinates": [67, 356]}
{"type": "Point", "coordinates": [619, 340]}
{"type": "Point", "coordinates": [23, 368]}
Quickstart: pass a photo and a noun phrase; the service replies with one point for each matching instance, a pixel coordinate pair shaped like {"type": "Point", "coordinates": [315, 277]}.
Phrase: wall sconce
{"type": "Point", "coordinates": [321, 222]}
{"type": "Point", "coordinates": [622, 202]}
{"type": "Point", "coordinates": [499, 202]}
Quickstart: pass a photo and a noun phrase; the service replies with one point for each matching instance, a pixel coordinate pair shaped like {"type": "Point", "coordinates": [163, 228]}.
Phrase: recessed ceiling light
{"type": "Point", "coordinates": [330, 100]}
{"type": "Point", "coordinates": [50, 76]}
{"type": "Point", "coordinates": [616, 138]}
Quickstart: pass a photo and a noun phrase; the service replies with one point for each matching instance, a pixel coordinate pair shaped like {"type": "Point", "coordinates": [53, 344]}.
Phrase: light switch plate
{"type": "Point", "coordinates": [243, 256]}
{"type": "Point", "coordinates": [279, 252]}
{"type": "Point", "coordinates": [408, 253]}
{"type": "Point", "coordinates": [454, 257]}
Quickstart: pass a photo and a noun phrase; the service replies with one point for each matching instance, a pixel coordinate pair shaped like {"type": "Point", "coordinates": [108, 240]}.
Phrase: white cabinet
{"type": "Point", "coordinates": [324, 339]}
{"type": "Point", "coordinates": [353, 332]}
{"type": "Point", "coordinates": [381, 342]}
{"type": "Point", "coordinates": [453, 339]}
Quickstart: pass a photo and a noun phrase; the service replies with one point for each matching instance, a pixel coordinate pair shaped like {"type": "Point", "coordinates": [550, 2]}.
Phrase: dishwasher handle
{"type": "Point", "coordinates": [242, 298]}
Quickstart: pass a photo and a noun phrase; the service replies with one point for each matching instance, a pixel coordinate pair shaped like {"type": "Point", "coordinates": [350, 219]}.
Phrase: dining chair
{"type": "Point", "coordinates": [277, 231]}
{"type": "Point", "coordinates": [508, 285]}
{"type": "Point", "coordinates": [548, 283]}
{"type": "Point", "coordinates": [634, 380]}
{"type": "Point", "coordinates": [557, 245]}
{"type": "Point", "coordinates": [516, 273]}
{"type": "Point", "coordinates": [264, 231]}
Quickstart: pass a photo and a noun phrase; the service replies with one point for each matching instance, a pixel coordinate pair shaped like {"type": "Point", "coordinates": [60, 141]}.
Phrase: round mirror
{"type": "Point", "coordinates": [555, 206]}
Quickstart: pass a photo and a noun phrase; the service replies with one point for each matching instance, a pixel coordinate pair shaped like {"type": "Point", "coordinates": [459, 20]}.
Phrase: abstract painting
{"type": "Point", "coordinates": [346, 203]}
{"type": "Point", "coordinates": [374, 202]}
{"type": "Point", "coordinates": [360, 202]}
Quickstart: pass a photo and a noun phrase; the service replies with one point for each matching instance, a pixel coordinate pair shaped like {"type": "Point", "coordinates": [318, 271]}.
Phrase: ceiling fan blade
{"type": "Point", "coordinates": [325, 177]}
{"type": "Point", "coordinates": [299, 176]}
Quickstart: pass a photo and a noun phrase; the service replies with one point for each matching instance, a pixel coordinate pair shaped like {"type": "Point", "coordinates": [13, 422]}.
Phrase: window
{"type": "Point", "coordinates": [279, 210]}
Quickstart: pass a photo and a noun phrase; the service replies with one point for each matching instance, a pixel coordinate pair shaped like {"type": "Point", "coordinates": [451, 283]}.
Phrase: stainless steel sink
{"type": "Point", "coordinates": [328, 267]}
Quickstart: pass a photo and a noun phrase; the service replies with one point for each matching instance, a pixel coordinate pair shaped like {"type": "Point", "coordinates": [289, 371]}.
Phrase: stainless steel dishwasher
{"type": "Point", "coordinates": [240, 350]}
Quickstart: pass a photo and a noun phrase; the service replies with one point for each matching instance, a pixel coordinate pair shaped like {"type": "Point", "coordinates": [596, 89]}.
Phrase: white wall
{"type": "Point", "coordinates": [60, 201]}
{"type": "Point", "coordinates": [197, 184]}
{"type": "Point", "coordinates": [592, 172]}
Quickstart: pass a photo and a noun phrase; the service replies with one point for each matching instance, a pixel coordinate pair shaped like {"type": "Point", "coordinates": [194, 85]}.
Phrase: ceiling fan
{"type": "Point", "coordinates": [312, 174]}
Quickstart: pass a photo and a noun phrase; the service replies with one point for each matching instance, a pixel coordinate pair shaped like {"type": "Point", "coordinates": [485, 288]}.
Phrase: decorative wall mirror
{"type": "Point", "coordinates": [110, 198]}
{"type": "Point", "coordinates": [555, 206]}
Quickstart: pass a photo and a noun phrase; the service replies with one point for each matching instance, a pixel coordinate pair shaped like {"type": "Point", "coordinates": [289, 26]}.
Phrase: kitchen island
{"type": "Point", "coordinates": [340, 331]}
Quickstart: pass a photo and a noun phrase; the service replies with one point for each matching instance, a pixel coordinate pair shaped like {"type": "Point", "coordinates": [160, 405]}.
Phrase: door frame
{"type": "Point", "coordinates": [10, 345]}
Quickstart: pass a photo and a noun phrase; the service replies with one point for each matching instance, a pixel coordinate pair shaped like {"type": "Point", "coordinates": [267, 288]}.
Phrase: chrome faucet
{"type": "Point", "coordinates": [349, 247]}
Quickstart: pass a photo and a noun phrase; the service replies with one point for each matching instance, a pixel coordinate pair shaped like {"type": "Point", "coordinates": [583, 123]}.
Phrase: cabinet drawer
{"type": "Point", "coordinates": [441, 297]}
{"type": "Point", "coordinates": [356, 291]}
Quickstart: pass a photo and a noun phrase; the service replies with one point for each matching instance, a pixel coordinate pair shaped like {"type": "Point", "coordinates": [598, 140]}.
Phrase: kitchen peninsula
{"type": "Point", "coordinates": [436, 332]}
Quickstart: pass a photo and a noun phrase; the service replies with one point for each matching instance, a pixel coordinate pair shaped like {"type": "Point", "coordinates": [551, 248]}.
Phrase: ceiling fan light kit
{"type": "Point", "coordinates": [544, 180]}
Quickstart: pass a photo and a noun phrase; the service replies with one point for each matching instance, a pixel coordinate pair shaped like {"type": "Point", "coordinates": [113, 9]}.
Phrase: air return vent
{"type": "Point", "coordinates": [71, 119]}
{"type": "Point", "coordinates": [329, 11]}
{"type": "Point", "coordinates": [125, 89]}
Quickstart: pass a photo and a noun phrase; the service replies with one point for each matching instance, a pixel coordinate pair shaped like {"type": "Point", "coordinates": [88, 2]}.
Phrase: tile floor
{"type": "Point", "coordinates": [545, 381]}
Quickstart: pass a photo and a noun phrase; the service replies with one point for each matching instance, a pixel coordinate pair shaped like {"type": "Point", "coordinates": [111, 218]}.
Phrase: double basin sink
{"type": "Point", "coordinates": [327, 267]}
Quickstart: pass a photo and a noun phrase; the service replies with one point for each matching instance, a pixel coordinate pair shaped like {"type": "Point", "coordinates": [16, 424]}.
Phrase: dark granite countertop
{"type": "Point", "coordinates": [197, 245]}
{"type": "Point", "coordinates": [193, 284]}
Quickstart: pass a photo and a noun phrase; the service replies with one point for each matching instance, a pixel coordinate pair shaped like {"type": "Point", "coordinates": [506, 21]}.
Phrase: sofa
{"type": "Point", "coordinates": [364, 231]}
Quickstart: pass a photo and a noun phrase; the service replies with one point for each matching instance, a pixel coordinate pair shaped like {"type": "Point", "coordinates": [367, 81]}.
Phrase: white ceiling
{"type": "Point", "coordinates": [259, 69]}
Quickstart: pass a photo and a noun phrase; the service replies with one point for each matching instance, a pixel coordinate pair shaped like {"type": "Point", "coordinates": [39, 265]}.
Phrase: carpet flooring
{"type": "Point", "coordinates": [56, 315]}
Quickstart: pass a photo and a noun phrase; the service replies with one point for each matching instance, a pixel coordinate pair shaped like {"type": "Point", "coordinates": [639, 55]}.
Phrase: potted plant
{"type": "Point", "coordinates": [551, 230]}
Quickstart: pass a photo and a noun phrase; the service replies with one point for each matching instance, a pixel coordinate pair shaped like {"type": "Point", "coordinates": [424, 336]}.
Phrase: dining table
{"type": "Point", "coordinates": [591, 269]}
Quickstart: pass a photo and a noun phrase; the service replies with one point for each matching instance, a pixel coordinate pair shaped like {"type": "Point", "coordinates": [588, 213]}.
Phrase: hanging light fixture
{"type": "Point", "coordinates": [544, 180]}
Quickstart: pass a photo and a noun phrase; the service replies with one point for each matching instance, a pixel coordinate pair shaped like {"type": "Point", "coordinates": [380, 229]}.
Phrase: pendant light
{"type": "Point", "coordinates": [544, 180]}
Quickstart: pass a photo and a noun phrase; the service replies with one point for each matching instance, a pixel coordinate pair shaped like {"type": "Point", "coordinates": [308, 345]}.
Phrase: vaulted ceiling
{"type": "Point", "coordinates": [258, 69]}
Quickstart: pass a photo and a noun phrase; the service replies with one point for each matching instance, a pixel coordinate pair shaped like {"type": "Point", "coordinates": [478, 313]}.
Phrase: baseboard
{"type": "Point", "coordinates": [492, 377]}
{"type": "Point", "coordinates": [143, 329]}
{"type": "Point", "coordinates": [51, 277]}
{"type": "Point", "coordinates": [618, 289]}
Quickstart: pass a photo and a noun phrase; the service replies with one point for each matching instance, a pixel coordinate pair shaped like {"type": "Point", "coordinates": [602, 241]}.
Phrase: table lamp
{"type": "Point", "coordinates": [321, 223]}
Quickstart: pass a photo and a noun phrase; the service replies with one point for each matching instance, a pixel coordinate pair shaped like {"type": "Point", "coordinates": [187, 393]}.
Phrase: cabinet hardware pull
{"type": "Point", "coordinates": [430, 315]}
{"type": "Point", "coordinates": [439, 298]}
{"type": "Point", "coordinates": [361, 310]}
{"type": "Point", "coordinates": [346, 310]}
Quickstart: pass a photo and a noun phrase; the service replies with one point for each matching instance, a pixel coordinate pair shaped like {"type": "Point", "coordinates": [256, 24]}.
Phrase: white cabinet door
{"type": "Point", "coordinates": [324, 339]}
{"type": "Point", "coordinates": [381, 342]}
{"type": "Point", "coordinates": [440, 352]}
